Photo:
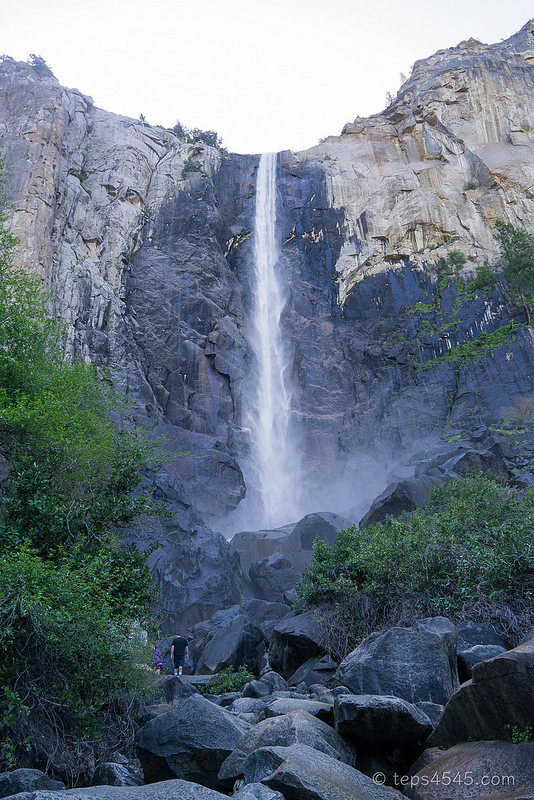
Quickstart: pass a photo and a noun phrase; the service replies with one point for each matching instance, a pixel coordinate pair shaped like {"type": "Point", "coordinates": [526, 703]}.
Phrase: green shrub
{"type": "Point", "coordinates": [227, 681]}
{"type": "Point", "coordinates": [517, 248]}
{"type": "Point", "coordinates": [469, 554]}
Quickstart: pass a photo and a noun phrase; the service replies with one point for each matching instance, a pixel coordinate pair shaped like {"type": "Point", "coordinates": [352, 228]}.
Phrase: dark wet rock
{"type": "Point", "coordinates": [190, 743]}
{"type": "Point", "coordinates": [295, 640]}
{"type": "Point", "coordinates": [111, 774]}
{"type": "Point", "coordinates": [497, 769]}
{"type": "Point", "coordinates": [265, 614]}
{"type": "Point", "coordinates": [257, 791]}
{"type": "Point", "coordinates": [175, 690]}
{"type": "Point", "coordinates": [432, 710]}
{"type": "Point", "coordinates": [26, 780]}
{"type": "Point", "coordinates": [272, 578]}
{"type": "Point", "coordinates": [256, 689]}
{"type": "Point", "coordinates": [480, 652]}
{"type": "Point", "coordinates": [380, 720]}
{"type": "Point", "coordinates": [297, 726]}
{"type": "Point", "coordinates": [238, 643]}
{"type": "Point", "coordinates": [316, 670]}
{"type": "Point", "coordinates": [286, 705]}
{"type": "Point", "coordinates": [498, 698]}
{"type": "Point", "coordinates": [415, 664]}
{"type": "Point", "coordinates": [301, 773]}
{"type": "Point", "coordinates": [474, 633]}
{"type": "Point", "coordinates": [274, 681]}
{"type": "Point", "coordinates": [163, 790]}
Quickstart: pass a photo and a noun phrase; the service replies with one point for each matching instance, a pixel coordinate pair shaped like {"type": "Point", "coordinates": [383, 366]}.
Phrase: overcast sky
{"type": "Point", "coordinates": [265, 74]}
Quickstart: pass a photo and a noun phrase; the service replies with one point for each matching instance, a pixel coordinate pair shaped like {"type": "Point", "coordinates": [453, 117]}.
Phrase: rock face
{"type": "Point", "coordinates": [416, 664]}
{"type": "Point", "coordinates": [146, 242]}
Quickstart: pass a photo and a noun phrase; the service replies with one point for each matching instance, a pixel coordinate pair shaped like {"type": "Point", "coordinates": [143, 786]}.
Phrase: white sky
{"type": "Point", "coordinates": [270, 75]}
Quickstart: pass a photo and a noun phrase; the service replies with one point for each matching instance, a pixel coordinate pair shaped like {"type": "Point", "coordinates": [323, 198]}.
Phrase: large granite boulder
{"type": "Point", "coordinates": [273, 578]}
{"type": "Point", "coordinates": [265, 614]}
{"type": "Point", "coordinates": [164, 790]}
{"type": "Point", "coordinates": [112, 774]}
{"type": "Point", "coordinates": [498, 698]}
{"type": "Point", "coordinates": [302, 773]}
{"type": "Point", "coordinates": [316, 670]}
{"type": "Point", "coordinates": [238, 643]}
{"type": "Point", "coordinates": [415, 664]}
{"type": "Point", "coordinates": [294, 640]}
{"type": "Point", "coordinates": [287, 705]}
{"type": "Point", "coordinates": [190, 743]}
{"type": "Point", "coordinates": [257, 791]}
{"type": "Point", "coordinates": [476, 770]}
{"type": "Point", "coordinates": [26, 780]}
{"type": "Point", "coordinates": [380, 719]}
{"type": "Point", "coordinates": [281, 731]}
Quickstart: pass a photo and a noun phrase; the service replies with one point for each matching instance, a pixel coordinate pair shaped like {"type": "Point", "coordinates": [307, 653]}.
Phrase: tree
{"type": "Point", "coordinates": [517, 248]}
{"type": "Point", "coordinates": [40, 66]}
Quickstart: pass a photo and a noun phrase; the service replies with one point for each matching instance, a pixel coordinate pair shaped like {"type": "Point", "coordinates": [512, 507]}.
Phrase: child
{"type": "Point", "coordinates": [157, 658]}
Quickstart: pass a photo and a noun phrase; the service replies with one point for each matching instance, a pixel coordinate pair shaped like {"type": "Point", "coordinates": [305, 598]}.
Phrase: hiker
{"type": "Point", "coordinates": [157, 658]}
{"type": "Point", "coordinates": [179, 652]}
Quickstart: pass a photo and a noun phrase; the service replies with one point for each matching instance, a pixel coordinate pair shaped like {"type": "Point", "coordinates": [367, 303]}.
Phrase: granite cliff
{"type": "Point", "coordinates": [146, 242]}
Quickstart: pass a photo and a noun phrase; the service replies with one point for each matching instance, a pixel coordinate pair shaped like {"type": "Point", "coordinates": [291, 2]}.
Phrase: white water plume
{"type": "Point", "coordinates": [274, 474]}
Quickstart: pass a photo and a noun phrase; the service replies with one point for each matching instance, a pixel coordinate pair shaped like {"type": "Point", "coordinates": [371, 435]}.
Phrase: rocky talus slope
{"type": "Point", "coordinates": [146, 241]}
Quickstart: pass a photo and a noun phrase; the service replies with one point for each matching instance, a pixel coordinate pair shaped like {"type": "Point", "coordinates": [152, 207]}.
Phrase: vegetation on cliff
{"type": "Point", "coordinates": [71, 598]}
{"type": "Point", "coordinates": [470, 553]}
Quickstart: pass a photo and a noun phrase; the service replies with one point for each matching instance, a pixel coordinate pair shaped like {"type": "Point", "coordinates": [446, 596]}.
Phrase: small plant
{"type": "Point", "coordinates": [83, 175]}
{"type": "Point", "coordinates": [228, 681]}
{"type": "Point", "coordinates": [190, 165]}
{"type": "Point", "coordinates": [470, 185]}
{"type": "Point", "coordinates": [521, 735]}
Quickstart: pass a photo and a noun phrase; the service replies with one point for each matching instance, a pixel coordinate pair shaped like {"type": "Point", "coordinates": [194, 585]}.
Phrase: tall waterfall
{"type": "Point", "coordinates": [274, 479]}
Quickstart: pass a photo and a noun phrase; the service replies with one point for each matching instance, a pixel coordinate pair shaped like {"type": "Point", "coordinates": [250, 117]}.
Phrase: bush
{"type": "Point", "coordinates": [469, 554]}
{"type": "Point", "coordinates": [517, 248]}
{"type": "Point", "coordinates": [228, 681]}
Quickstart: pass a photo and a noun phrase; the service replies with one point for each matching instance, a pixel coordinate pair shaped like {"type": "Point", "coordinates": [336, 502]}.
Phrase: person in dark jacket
{"type": "Point", "coordinates": [179, 652]}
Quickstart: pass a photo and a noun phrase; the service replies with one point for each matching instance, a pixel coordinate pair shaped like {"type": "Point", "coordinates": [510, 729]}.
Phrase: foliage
{"type": "Point", "coordinates": [197, 136]}
{"type": "Point", "coordinates": [191, 165]}
{"type": "Point", "coordinates": [69, 592]}
{"type": "Point", "coordinates": [227, 681]}
{"type": "Point", "coordinates": [517, 248]}
{"type": "Point", "coordinates": [521, 735]}
{"type": "Point", "coordinates": [66, 647]}
{"type": "Point", "coordinates": [40, 66]}
{"type": "Point", "coordinates": [470, 553]}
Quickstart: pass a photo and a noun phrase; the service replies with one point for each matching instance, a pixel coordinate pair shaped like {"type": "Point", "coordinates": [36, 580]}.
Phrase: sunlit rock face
{"type": "Point", "coordinates": [147, 243]}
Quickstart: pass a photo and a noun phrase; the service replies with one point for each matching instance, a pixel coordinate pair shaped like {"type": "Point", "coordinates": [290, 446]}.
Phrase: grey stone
{"type": "Point", "coordinates": [274, 681]}
{"type": "Point", "coordinates": [111, 774]}
{"type": "Point", "coordinates": [190, 743]}
{"type": "Point", "coordinates": [499, 697]}
{"type": "Point", "coordinates": [379, 719]}
{"type": "Point", "coordinates": [256, 689]}
{"type": "Point", "coordinates": [163, 790]}
{"type": "Point", "coordinates": [294, 641]}
{"type": "Point", "coordinates": [272, 578]}
{"type": "Point", "coordinates": [475, 633]}
{"type": "Point", "coordinates": [297, 726]}
{"type": "Point", "coordinates": [238, 643]}
{"type": "Point", "coordinates": [265, 614]}
{"type": "Point", "coordinates": [415, 664]}
{"type": "Point", "coordinates": [301, 773]}
{"type": "Point", "coordinates": [496, 769]}
{"type": "Point", "coordinates": [432, 710]}
{"type": "Point", "coordinates": [257, 791]}
{"type": "Point", "coordinates": [316, 670]}
{"type": "Point", "coordinates": [26, 780]}
{"type": "Point", "coordinates": [479, 652]}
{"type": "Point", "coordinates": [286, 705]}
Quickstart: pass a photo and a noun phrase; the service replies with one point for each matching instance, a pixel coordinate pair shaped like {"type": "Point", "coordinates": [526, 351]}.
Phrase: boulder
{"type": "Point", "coordinates": [238, 643]}
{"type": "Point", "coordinates": [302, 773]}
{"type": "Point", "coordinates": [265, 614]}
{"type": "Point", "coordinates": [432, 710]}
{"type": "Point", "coordinates": [175, 690]}
{"type": "Point", "coordinates": [320, 525]}
{"type": "Point", "coordinates": [480, 652]}
{"type": "Point", "coordinates": [282, 731]}
{"type": "Point", "coordinates": [476, 770]}
{"type": "Point", "coordinates": [164, 790]}
{"type": "Point", "coordinates": [380, 719]}
{"type": "Point", "coordinates": [498, 698]}
{"type": "Point", "coordinates": [294, 641]}
{"type": "Point", "coordinates": [316, 670]}
{"type": "Point", "coordinates": [399, 497]}
{"type": "Point", "coordinates": [474, 633]}
{"type": "Point", "coordinates": [256, 689]}
{"type": "Point", "coordinates": [112, 774]}
{"type": "Point", "coordinates": [272, 578]}
{"type": "Point", "coordinates": [254, 546]}
{"type": "Point", "coordinates": [415, 664]}
{"type": "Point", "coordinates": [274, 681]}
{"type": "Point", "coordinates": [26, 780]}
{"type": "Point", "coordinates": [257, 791]}
{"type": "Point", "coordinates": [190, 743]}
{"type": "Point", "coordinates": [286, 705]}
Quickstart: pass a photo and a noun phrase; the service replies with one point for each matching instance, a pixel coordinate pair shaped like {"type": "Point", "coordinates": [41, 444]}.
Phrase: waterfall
{"type": "Point", "coordinates": [273, 480]}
